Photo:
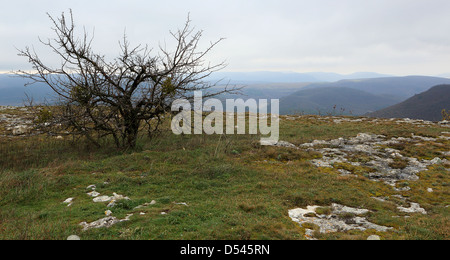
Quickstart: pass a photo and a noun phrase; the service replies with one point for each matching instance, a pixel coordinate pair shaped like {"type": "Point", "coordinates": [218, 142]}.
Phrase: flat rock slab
{"type": "Point", "coordinates": [340, 218]}
{"type": "Point", "coordinates": [104, 222]}
{"type": "Point", "coordinates": [373, 146]}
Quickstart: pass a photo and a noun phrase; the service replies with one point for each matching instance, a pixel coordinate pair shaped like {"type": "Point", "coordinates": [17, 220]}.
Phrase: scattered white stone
{"type": "Point", "coordinates": [430, 190]}
{"type": "Point", "coordinates": [436, 160]}
{"type": "Point", "coordinates": [334, 222]}
{"type": "Point", "coordinates": [374, 237]}
{"type": "Point", "coordinates": [73, 238]}
{"type": "Point", "coordinates": [340, 209]}
{"type": "Point", "coordinates": [414, 208]}
{"type": "Point", "coordinates": [319, 142]}
{"type": "Point", "coordinates": [118, 197]}
{"type": "Point", "coordinates": [102, 199]}
{"type": "Point", "coordinates": [108, 213]}
{"type": "Point", "coordinates": [426, 139]}
{"type": "Point", "coordinates": [153, 202]}
{"type": "Point", "coordinates": [342, 150]}
{"type": "Point", "coordinates": [104, 222]}
{"type": "Point", "coordinates": [111, 199]}
{"type": "Point", "coordinates": [309, 234]}
{"type": "Point", "coordinates": [68, 201]}
{"type": "Point", "coordinates": [346, 173]}
{"type": "Point", "coordinates": [379, 199]}
{"type": "Point", "coordinates": [93, 194]}
{"type": "Point", "coordinates": [277, 143]}
{"type": "Point", "coordinates": [91, 187]}
{"type": "Point", "coordinates": [20, 130]}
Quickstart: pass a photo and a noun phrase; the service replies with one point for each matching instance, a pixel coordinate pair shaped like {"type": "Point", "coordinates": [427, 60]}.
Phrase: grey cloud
{"type": "Point", "coordinates": [386, 36]}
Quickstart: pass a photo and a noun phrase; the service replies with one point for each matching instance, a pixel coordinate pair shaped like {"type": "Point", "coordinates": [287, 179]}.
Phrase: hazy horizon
{"type": "Point", "coordinates": [402, 37]}
{"type": "Point", "coordinates": [443, 75]}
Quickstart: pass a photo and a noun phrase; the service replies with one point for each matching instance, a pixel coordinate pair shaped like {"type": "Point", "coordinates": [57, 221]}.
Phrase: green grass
{"type": "Point", "coordinates": [234, 188]}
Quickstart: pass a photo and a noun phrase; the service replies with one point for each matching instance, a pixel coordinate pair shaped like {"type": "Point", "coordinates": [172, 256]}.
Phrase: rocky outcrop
{"type": "Point", "coordinates": [16, 121]}
{"type": "Point", "coordinates": [337, 218]}
{"type": "Point", "coordinates": [379, 164]}
{"type": "Point", "coordinates": [376, 148]}
{"type": "Point", "coordinates": [109, 220]}
{"type": "Point", "coordinates": [104, 222]}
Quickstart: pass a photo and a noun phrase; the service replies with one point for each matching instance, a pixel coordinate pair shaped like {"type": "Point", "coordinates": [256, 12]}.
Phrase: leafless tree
{"type": "Point", "coordinates": [98, 98]}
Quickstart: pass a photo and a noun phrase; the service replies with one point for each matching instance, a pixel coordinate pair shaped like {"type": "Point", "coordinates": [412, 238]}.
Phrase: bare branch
{"type": "Point", "coordinates": [97, 98]}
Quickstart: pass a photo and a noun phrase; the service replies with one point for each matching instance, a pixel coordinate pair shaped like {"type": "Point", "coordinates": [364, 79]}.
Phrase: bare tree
{"type": "Point", "coordinates": [117, 98]}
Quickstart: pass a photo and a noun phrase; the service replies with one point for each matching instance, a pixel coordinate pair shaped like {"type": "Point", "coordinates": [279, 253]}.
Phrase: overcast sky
{"type": "Point", "coordinates": [399, 37]}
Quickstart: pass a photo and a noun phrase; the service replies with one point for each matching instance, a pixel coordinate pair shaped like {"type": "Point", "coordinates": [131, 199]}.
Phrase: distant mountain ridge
{"type": "Point", "coordinates": [426, 106]}
{"type": "Point", "coordinates": [259, 77]}
{"type": "Point", "coordinates": [333, 101]}
{"type": "Point", "coordinates": [360, 96]}
{"type": "Point", "coordinates": [260, 84]}
{"type": "Point", "coordinates": [14, 93]}
{"type": "Point", "coordinates": [401, 88]}
{"type": "Point", "coordinates": [353, 96]}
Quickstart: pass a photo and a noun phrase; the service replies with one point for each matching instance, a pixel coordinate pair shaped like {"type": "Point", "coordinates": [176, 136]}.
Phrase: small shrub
{"type": "Point", "coordinates": [250, 208]}
{"type": "Point", "coordinates": [445, 115]}
{"type": "Point", "coordinates": [324, 211]}
{"type": "Point", "coordinates": [288, 154]}
{"type": "Point", "coordinates": [44, 116]}
{"type": "Point", "coordinates": [310, 215]}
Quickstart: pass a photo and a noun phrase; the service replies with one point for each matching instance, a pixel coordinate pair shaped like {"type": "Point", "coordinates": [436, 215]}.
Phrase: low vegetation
{"type": "Point", "coordinates": [207, 187]}
{"type": "Point", "coordinates": [445, 115]}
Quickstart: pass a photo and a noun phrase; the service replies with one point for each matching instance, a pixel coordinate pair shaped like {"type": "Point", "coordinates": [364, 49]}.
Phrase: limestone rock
{"type": "Point", "coordinates": [279, 144]}
{"type": "Point", "coordinates": [68, 201]}
{"type": "Point", "coordinates": [153, 202]}
{"type": "Point", "coordinates": [104, 222]}
{"type": "Point", "coordinates": [374, 237]}
{"type": "Point", "coordinates": [102, 199]}
{"type": "Point", "coordinates": [73, 237]}
{"type": "Point", "coordinates": [342, 150]}
{"type": "Point", "coordinates": [20, 130]}
{"type": "Point", "coordinates": [93, 194]}
{"type": "Point", "coordinates": [414, 208]}
{"type": "Point", "coordinates": [110, 199]}
{"type": "Point", "coordinates": [334, 222]}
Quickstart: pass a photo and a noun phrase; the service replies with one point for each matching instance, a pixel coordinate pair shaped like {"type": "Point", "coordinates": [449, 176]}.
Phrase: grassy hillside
{"type": "Point", "coordinates": [426, 106]}
{"type": "Point", "coordinates": [212, 187]}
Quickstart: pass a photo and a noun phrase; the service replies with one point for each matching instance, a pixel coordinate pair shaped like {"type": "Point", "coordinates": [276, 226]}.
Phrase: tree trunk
{"type": "Point", "coordinates": [131, 131]}
{"type": "Point", "coordinates": [132, 138]}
